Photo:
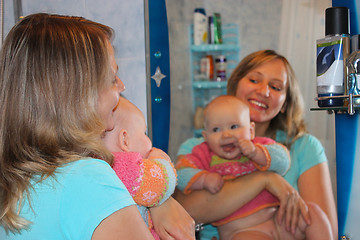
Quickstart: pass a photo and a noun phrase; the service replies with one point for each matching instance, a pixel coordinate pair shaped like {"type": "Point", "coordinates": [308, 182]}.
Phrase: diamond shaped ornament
{"type": "Point", "coordinates": [158, 76]}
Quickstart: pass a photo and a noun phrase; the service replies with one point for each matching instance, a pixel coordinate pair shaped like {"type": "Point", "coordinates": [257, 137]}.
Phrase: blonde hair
{"type": "Point", "coordinates": [51, 70]}
{"type": "Point", "coordinates": [291, 120]}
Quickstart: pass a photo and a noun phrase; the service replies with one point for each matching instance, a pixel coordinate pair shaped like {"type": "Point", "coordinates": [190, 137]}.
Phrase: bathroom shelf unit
{"type": "Point", "coordinates": [204, 90]}
{"type": "Point", "coordinates": [351, 101]}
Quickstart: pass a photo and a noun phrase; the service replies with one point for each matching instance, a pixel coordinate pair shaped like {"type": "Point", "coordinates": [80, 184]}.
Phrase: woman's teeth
{"type": "Point", "coordinates": [258, 104]}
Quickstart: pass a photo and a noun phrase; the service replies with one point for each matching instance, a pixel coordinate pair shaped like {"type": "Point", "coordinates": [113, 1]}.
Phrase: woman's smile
{"type": "Point", "coordinates": [264, 90]}
{"type": "Point", "coordinates": [258, 104]}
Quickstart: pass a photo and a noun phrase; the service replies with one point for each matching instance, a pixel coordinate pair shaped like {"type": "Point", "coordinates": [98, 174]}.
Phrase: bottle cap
{"type": "Point", "coordinates": [211, 19]}
{"type": "Point", "coordinates": [200, 10]}
{"type": "Point", "coordinates": [220, 58]}
{"type": "Point", "coordinates": [337, 21]}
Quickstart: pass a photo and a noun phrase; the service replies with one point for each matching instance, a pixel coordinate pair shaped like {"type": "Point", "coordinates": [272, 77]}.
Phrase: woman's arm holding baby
{"type": "Point", "coordinates": [150, 181]}
{"type": "Point", "coordinates": [171, 219]}
{"type": "Point", "coordinates": [205, 207]}
{"type": "Point", "coordinates": [168, 216]}
{"type": "Point", "coordinates": [315, 186]}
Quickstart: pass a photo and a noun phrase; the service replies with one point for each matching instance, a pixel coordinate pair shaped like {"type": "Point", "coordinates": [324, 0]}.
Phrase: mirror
{"type": "Point", "coordinates": [289, 27]}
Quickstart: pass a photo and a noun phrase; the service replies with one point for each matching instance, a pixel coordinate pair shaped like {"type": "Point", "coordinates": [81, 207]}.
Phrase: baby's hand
{"type": "Point", "coordinates": [213, 182]}
{"type": "Point", "coordinates": [155, 152]}
{"type": "Point", "coordinates": [247, 148]}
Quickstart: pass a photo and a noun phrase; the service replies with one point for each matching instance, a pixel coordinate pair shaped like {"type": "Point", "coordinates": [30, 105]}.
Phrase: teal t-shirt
{"type": "Point", "coordinates": [72, 204]}
{"type": "Point", "coordinates": [305, 152]}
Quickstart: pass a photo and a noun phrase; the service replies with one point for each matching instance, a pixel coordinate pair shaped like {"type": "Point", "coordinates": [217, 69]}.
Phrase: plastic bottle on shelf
{"type": "Point", "coordinates": [217, 29]}
{"type": "Point", "coordinates": [207, 68]}
{"type": "Point", "coordinates": [220, 66]}
{"type": "Point", "coordinates": [211, 30]}
{"type": "Point", "coordinates": [200, 26]}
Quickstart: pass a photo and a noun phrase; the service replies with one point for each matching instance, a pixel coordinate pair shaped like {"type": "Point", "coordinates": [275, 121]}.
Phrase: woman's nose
{"type": "Point", "coordinates": [120, 85]}
{"type": "Point", "coordinates": [264, 89]}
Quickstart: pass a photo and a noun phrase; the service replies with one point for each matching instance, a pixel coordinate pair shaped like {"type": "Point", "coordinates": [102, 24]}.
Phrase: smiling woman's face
{"type": "Point", "coordinates": [264, 90]}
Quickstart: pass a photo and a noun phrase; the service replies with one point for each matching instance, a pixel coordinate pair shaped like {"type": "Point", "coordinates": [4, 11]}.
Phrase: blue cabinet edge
{"type": "Point", "coordinates": [160, 96]}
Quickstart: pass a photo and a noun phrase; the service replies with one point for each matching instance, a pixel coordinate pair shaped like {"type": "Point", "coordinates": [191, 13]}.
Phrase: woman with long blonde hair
{"type": "Point", "coordinates": [266, 82]}
{"type": "Point", "coordinates": [58, 91]}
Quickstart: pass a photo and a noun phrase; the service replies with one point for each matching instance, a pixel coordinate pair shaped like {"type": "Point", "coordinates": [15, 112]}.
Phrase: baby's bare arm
{"type": "Point", "coordinates": [158, 153]}
{"type": "Point", "coordinates": [212, 182]}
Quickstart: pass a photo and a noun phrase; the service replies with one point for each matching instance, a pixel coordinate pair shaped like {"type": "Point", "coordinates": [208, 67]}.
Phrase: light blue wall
{"type": "Point", "coordinates": [125, 17]}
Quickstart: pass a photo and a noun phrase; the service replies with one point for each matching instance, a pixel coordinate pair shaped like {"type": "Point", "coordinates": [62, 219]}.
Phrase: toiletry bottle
{"type": "Point", "coordinates": [352, 86]}
{"type": "Point", "coordinates": [220, 66]}
{"type": "Point", "coordinates": [331, 54]}
{"type": "Point", "coordinates": [200, 26]}
{"type": "Point", "coordinates": [211, 30]}
{"type": "Point", "coordinates": [207, 68]}
{"type": "Point", "coordinates": [217, 28]}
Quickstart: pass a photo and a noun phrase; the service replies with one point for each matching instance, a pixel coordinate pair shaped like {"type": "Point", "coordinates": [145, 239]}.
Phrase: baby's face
{"type": "Point", "coordinates": [139, 141]}
{"type": "Point", "coordinates": [129, 133]}
{"type": "Point", "coordinates": [225, 125]}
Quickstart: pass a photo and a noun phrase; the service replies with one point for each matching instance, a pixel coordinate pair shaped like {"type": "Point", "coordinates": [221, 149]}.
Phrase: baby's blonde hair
{"type": "Point", "coordinates": [227, 99]}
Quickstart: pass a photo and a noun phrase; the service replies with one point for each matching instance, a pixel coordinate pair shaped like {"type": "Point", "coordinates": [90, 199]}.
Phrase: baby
{"type": "Point", "coordinates": [231, 150]}
{"type": "Point", "coordinates": [147, 172]}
